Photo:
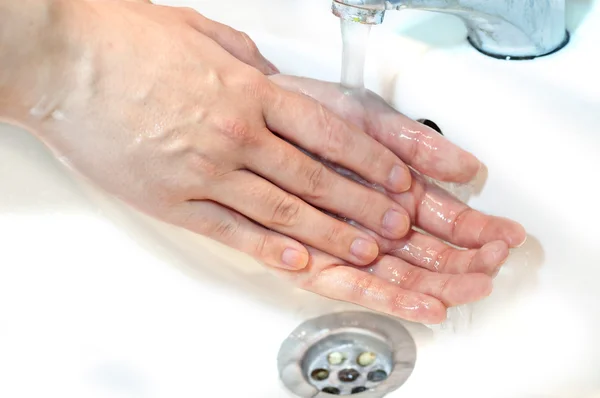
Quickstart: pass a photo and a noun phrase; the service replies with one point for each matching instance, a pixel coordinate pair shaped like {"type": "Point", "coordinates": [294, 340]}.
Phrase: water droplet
{"type": "Point", "coordinates": [358, 390]}
{"type": "Point", "coordinates": [331, 390]}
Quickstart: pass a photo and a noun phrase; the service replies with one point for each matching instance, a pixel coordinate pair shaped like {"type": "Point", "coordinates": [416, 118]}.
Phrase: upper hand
{"type": "Point", "coordinates": [154, 110]}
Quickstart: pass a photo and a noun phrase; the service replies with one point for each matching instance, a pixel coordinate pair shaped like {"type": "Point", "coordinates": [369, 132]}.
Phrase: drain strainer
{"type": "Point", "coordinates": [350, 353]}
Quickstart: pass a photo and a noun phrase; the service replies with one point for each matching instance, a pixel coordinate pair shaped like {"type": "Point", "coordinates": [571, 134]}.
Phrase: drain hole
{"type": "Point", "coordinates": [377, 375]}
{"type": "Point", "coordinates": [336, 358]}
{"type": "Point", "coordinates": [348, 375]}
{"type": "Point", "coordinates": [331, 390]}
{"type": "Point", "coordinates": [320, 374]}
{"type": "Point", "coordinates": [346, 354]}
{"type": "Point", "coordinates": [366, 359]}
{"type": "Point", "coordinates": [431, 124]}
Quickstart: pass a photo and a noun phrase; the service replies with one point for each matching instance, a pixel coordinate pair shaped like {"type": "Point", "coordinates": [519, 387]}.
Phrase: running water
{"type": "Point", "coordinates": [355, 37]}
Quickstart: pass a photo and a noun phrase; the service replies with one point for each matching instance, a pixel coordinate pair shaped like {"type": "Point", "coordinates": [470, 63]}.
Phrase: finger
{"type": "Point", "coordinates": [332, 278]}
{"type": "Point", "coordinates": [308, 124]}
{"type": "Point", "coordinates": [237, 43]}
{"type": "Point", "coordinates": [436, 211]}
{"type": "Point", "coordinates": [432, 254]}
{"type": "Point", "coordinates": [416, 144]}
{"type": "Point", "coordinates": [278, 210]}
{"type": "Point", "coordinates": [423, 148]}
{"type": "Point", "coordinates": [450, 289]}
{"type": "Point", "coordinates": [236, 231]}
{"type": "Point", "coordinates": [294, 171]}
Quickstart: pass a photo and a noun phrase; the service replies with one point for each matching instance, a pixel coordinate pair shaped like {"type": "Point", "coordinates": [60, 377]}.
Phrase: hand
{"type": "Point", "coordinates": [237, 43]}
{"type": "Point", "coordinates": [420, 275]}
{"type": "Point", "coordinates": [155, 111]}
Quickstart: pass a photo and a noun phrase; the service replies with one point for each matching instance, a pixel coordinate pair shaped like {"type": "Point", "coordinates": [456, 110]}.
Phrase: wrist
{"type": "Point", "coordinates": [35, 54]}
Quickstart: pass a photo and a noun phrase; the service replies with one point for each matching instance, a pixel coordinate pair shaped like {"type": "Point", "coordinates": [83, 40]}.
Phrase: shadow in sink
{"type": "Point", "coordinates": [33, 180]}
{"type": "Point", "coordinates": [204, 260]}
{"type": "Point", "coordinates": [216, 265]}
{"type": "Point", "coordinates": [434, 29]}
{"type": "Point", "coordinates": [518, 277]}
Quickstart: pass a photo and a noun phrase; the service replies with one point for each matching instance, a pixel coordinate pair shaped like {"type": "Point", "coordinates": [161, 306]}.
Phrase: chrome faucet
{"type": "Point", "coordinates": [508, 29]}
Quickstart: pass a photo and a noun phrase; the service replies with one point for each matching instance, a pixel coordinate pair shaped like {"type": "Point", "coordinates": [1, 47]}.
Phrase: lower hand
{"type": "Point", "coordinates": [420, 275]}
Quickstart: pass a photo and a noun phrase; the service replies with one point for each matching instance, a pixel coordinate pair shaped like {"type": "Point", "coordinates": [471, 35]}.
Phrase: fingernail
{"type": "Point", "coordinates": [294, 259]}
{"type": "Point", "coordinates": [496, 272]}
{"type": "Point", "coordinates": [273, 68]}
{"type": "Point", "coordinates": [518, 237]}
{"type": "Point", "coordinates": [399, 180]}
{"type": "Point", "coordinates": [522, 243]}
{"type": "Point", "coordinates": [364, 250]}
{"type": "Point", "coordinates": [395, 223]}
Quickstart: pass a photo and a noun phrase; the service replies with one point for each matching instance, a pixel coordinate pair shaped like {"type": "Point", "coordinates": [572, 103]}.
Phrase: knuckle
{"type": "Point", "coordinates": [333, 234]}
{"type": "Point", "coordinates": [443, 286]}
{"type": "Point", "coordinates": [363, 285]}
{"type": "Point", "coordinates": [224, 230]}
{"type": "Point", "coordinates": [441, 260]}
{"type": "Point", "coordinates": [401, 301]}
{"type": "Point", "coordinates": [422, 145]}
{"type": "Point", "coordinates": [315, 181]}
{"type": "Point", "coordinates": [378, 157]}
{"type": "Point", "coordinates": [334, 142]}
{"type": "Point", "coordinates": [260, 246]}
{"type": "Point", "coordinates": [189, 12]}
{"type": "Point", "coordinates": [364, 209]}
{"type": "Point", "coordinates": [202, 164]}
{"type": "Point", "coordinates": [237, 129]}
{"type": "Point", "coordinates": [286, 211]}
{"type": "Point", "coordinates": [411, 278]}
{"type": "Point", "coordinates": [458, 221]}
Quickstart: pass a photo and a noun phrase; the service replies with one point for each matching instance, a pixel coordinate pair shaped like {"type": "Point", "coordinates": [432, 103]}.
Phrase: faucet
{"type": "Point", "coordinates": [507, 29]}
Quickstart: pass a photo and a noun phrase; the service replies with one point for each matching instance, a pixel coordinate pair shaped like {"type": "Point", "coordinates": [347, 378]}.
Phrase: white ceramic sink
{"type": "Point", "coordinates": [99, 301]}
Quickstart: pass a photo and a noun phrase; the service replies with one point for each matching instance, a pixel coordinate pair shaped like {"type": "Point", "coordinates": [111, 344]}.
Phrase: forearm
{"type": "Point", "coordinates": [32, 53]}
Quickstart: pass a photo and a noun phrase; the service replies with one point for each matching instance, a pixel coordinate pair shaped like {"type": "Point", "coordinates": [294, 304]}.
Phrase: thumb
{"type": "Point", "coordinates": [237, 43]}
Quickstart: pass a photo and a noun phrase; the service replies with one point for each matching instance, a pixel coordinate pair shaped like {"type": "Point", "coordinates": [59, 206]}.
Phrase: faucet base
{"type": "Point", "coordinates": [520, 57]}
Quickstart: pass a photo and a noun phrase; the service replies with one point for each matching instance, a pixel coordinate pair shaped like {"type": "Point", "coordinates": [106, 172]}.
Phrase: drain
{"type": "Point", "coordinates": [347, 353]}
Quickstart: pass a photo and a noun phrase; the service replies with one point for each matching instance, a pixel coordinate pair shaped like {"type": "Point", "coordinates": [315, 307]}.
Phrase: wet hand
{"type": "Point", "coordinates": [422, 274]}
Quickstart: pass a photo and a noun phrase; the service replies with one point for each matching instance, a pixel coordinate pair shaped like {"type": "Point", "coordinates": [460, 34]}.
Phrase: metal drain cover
{"type": "Point", "coordinates": [360, 354]}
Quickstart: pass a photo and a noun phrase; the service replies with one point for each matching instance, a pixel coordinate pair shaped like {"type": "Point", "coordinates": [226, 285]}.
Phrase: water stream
{"type": "Point", "coordinates": [355, 37]}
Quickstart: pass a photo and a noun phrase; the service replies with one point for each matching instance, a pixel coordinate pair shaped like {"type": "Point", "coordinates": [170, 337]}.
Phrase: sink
{"type": "Point", "coordinates": [97, 300]}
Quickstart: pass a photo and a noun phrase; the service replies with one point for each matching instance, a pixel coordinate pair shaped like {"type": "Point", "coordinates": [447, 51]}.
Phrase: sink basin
{"type": "Point", "coordinates": [97, 300]}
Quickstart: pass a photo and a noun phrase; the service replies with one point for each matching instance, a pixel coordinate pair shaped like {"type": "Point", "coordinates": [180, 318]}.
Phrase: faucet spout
{"type": "Point", "coordinates": [511, 29]}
